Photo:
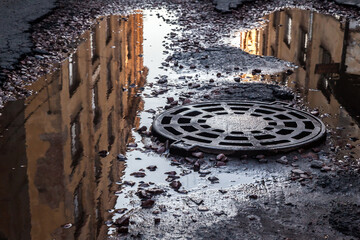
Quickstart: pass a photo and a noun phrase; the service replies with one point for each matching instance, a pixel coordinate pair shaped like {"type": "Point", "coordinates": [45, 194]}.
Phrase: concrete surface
{"type": "Point", "coordinates": [15, 18]}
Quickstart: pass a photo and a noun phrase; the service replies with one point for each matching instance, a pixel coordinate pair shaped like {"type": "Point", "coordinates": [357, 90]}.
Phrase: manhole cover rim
{"type": "Point", "coordinates": [192, 145]}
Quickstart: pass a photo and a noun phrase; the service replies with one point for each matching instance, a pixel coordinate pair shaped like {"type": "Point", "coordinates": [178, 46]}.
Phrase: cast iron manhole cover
{"type": "Point", "coordinates": [237, 127]}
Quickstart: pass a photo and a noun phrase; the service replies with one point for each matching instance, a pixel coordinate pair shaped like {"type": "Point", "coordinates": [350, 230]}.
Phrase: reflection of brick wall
{"type": "Point", "coordinates": [82, 111]}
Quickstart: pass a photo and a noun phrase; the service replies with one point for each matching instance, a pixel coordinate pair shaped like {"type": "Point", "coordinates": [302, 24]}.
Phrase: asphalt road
{"type": "Point", "coordinates": [15, 27]}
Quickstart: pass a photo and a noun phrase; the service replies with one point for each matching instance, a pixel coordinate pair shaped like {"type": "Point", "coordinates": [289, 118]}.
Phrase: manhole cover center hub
{"type": "Point", "coordinates": [237, 123]}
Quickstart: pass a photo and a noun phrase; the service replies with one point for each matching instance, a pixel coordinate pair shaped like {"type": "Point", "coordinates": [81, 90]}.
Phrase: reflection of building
{"type": "Point", "coordinates": [318, 45]}
{"type": "Point", "coordinates": [79, 110]}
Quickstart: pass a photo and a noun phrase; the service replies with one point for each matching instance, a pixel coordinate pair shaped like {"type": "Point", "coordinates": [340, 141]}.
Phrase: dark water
{"type": "Point", "coordinates": [58, 147]}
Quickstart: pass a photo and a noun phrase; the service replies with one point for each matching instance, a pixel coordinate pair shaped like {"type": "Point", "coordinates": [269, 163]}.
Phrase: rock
{"type": "Point", "coordinates": [155, 191]}
{"type": "Point", "coordinates": [220, 164]}
{"type": "Point", "coordinates": [219, 213]}
{"type": "Point", "coordinates": [123, 221]}
{"type": "Point", "coordinates": [197, 166]}
{"type": "Point", "coordinates": [213, 179]}
{"type": "Point", "coordinates": [325, 169]}
{"type": "Point", "coordinates": [156, 221]}
{"type": "Point", "coordinates": [170, 99]}
{"type": "Point", "coordinates": [203, 208]}
{"type": "Point", "coordinates": [175, 185]}
{"type": "Point", "coordinates": [221, 157]}
{"type": "Point", "coordinates": [260, 156]}
{"type": "Point", "coordinates": [152, 168]}
{"type": "Point", "coordinates": [237, 79]}
{"type": "Point", "coordinates": [264, 160]}
{"type": "Point", "coordinates": [142, 129]}
{"type": "Point", "coordinates": [253, 196]}
{"type": "Point", "coordinates": [316, 164]}
{"type": "Point", "coordinates": [121, 157]}
{"type": "Point", "coordinates": [138, 174]}
{"type": "Point", "coordinates": [123, 230]}
{"type": "Point", "coordinates": [149, 203]}
{"type": "Point", "coordinates": [132, 145]}
{"type": "Point", "coordinates": [198, 154]}
{"type": "Point", "coordinates": [129, 183]}
{"type": "Point", "coordinates": [282, 160]}
{"type": "Point", "coordinates": [171, 173]}
{"type": "Point", "coordinates": [222, 191]}
{"type": "Point", "coordinates": [297, 171]}
{"type": "Point", "coordinates": [161, 150]}
{"type": "Point", "coordinates": [255, 71]}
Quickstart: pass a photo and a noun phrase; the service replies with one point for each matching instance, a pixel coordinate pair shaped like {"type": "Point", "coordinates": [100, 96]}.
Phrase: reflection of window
{"type": "Point", "coordinates": [325, 55]}
{"type": "Point", "coordinates": [303, 46]}
{"type": "Point", "coordinates": [129, 44]}
{"type": "Point", "coordinates": [76, 146]}
{"type": "Point", "coordinates": [264, 45]}
{"type": "Point", "coordinates": [111, 137]}
{"type": "Point", "coordinates": [108, 29]}
{"type": "Point", "coordinates": [78, 209]}
{"type": "Point", "coordinates": [287, 33]}
{"type": "Point", "coordinates": [95, 103]}
{"type": "Point", "coordinates": [74, 75]}
{"type": "Point", "coordinates": [276, 19]}
{"type": "Point", "coordinates": [108, 78]}
{"type": "Point", "coordinates": [94, 51]}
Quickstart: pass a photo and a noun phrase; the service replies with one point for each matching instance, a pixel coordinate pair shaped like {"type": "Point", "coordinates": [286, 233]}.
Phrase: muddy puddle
{"type": "Point", "coordinates": [69, 152]}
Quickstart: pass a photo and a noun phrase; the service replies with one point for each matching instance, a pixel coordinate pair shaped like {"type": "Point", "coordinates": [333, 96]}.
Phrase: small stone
{"type": "Point", "coordinates": [171, 173]}
{"type": "Point", "coordinates": [155, 191]}
{"type": "Point", "coordinates": [283, 160]}
{"type": "Point", "coordinates": [213, 179]}
{"type": "Point", "coordinates": [316, 164]}
{"type": "Point", "coordinates": [142, 129]}
{"type": "Point", "coordinates": [260, 156]}
{"type": "Point", "coordinates": [123, 221]}
{"type": "Point", "coordinates": [197, 165]}
{"type": "Point", "coordinates": [170, 99]}
{"type": "Point", "coordinates": [297, 171]}
{"type": "Point", "coordinates": [237, 79]}
{"type": "Point", "coordinates": [253, 196]}
{"type": "Point", "coordinates": [221, 157]}
{"type": "Point", "coordinates": [219, 213]}
{"type": "Point", "coordinates": [152, 168]}
{"type": "Point", "coordinates": [220, 164]}
{"type": "Point", "coordinates": [132, 145]}
{"type": "Point", "coordinates": [264, 160]}
{"type": "Point", "coordinates": [129, 183]}
{"type": "Point", "coordinates": [175, 185]}
{"type": "Point", "coordinates": [138, 174]}
{"type": "Point", "coordinates": [251, 217]}
{"type": "Point", "coordinates": [121, 157]}
{"type": "Point", "coordinates": [325, 169]}
{"type": "Point", "coordinates": [198, 154]}
{"type": "Point", "coordinates": [157, 221]}
{"type": "Point", "coordinates": [222, 191]}
{"type": "Point", "coordinates": [161, 150]}
{"type": "Point", "coordinates": [203, 208]}
{"type": "Point", "coordinates": [147, 203]}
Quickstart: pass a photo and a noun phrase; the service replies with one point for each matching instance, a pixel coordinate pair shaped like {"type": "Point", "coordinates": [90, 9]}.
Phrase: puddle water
{"type": "Point", "coordinates": [327, 51]}
{"type": "Point", "coordinates": [60, 177]}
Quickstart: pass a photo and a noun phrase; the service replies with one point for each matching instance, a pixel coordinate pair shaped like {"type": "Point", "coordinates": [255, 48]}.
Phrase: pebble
{"type": "Point", "coordinates": [283, 160]}
{"type": "Point", "coordinates": [297, 171]}
{"type": "Point", "coordinates": [175, 185]}
{"type": "Point", "coordinates": [152, 168]}
{"type": "Point", "coordinates": [203, 208]}
{"type": "Point", "coordinates": [316, 164]}
{"type": "Point", "coordinates": [121, 157]}
{"type": "Point", "coordinates": [149, 203]}
{"type": "Point", "coordinates": [198, 154]}
{"type": "Point", "coordinates": [138, 174]}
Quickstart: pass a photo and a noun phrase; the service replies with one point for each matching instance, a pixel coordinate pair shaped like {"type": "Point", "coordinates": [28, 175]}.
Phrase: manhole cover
{"type": "Point", "coordinates": [238, 127]}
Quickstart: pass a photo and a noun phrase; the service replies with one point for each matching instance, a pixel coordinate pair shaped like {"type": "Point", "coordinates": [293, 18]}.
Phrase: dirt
{"type": "Point", "coordinates": [251, 197]}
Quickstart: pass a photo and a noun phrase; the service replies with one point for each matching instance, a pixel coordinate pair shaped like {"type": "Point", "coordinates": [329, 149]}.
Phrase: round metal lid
{"type": "Point", "coordinates": [238, 127]}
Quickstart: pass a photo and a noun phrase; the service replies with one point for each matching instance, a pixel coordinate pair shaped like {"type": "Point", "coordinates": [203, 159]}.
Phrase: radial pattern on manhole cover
{"type": "Point", "coordinates": [238, 127]}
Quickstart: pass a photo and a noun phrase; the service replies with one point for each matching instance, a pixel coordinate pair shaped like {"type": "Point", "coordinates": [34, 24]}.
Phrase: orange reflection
{"type": "Point", "coordinates": [80, 110]}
